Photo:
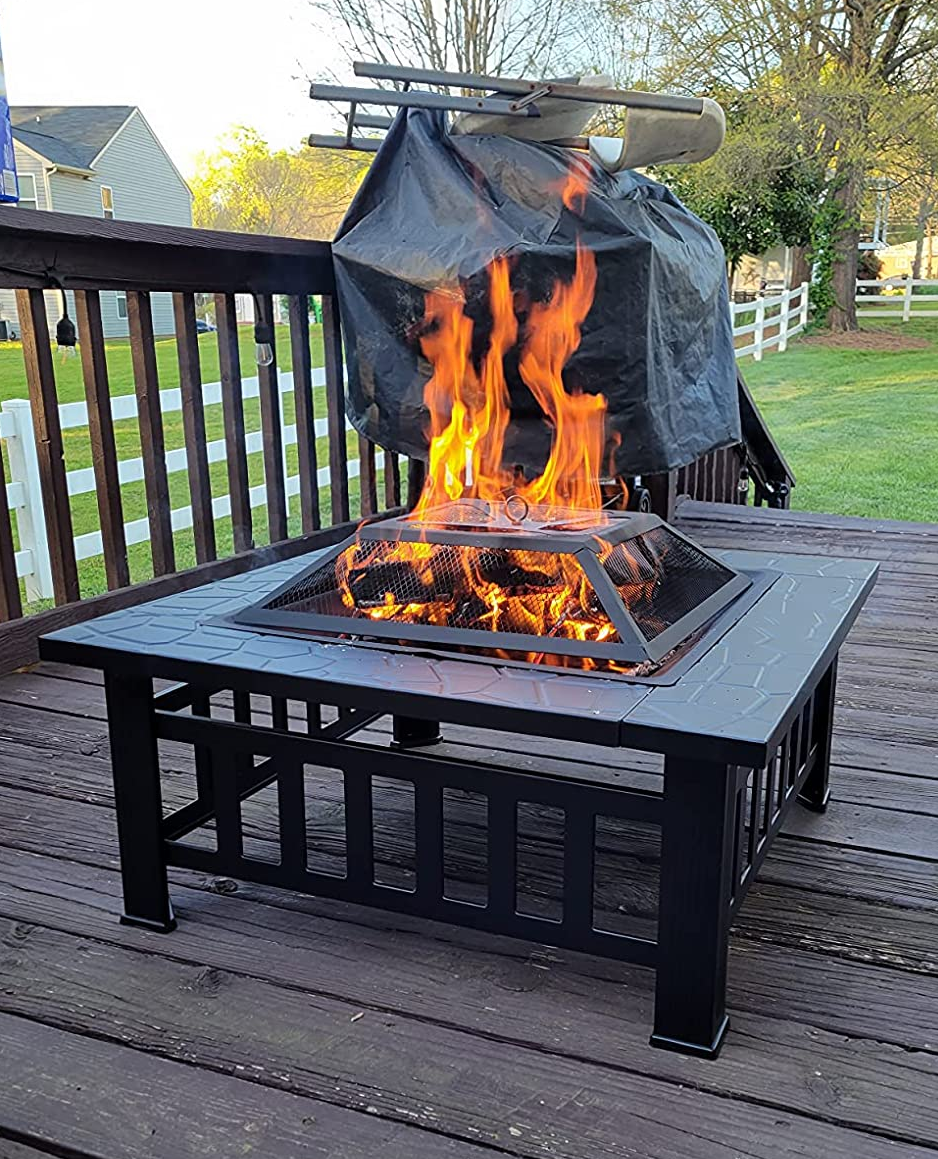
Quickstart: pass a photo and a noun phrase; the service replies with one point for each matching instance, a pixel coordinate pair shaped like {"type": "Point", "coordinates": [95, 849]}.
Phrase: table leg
{"type": "Point", "coordinates": [816, 792]}
{"type": "Point", "coordinates": [697, 837]}
{"type": "Point", "coordinates": [411, 733]}
{"type": "Point", "coordinates": [136, 769]}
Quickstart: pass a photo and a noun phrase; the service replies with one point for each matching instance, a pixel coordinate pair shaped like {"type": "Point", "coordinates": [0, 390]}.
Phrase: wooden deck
{"type": "Point", "coordinates": [275, 1025]}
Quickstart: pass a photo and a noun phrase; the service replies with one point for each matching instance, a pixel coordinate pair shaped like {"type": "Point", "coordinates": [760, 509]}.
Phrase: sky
{"type": "Point", "coordinates": [194, 67]}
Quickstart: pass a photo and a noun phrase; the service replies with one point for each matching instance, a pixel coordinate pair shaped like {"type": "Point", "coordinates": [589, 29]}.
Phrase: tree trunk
{"type": "Point", "coordinates": [800, 266]}
{"type": "Point", "coordinates": [843, 314]}
{"type": "Point", "coordinates": [921, 218]}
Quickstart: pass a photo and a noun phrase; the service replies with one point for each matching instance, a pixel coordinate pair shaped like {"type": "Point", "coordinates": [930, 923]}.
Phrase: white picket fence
{"type": "Point", "coordinates": [784, 315]}
{"type": "Point", "coordinates": [895, 298]}
{"type": "Point", "coordinates": [24, 494]}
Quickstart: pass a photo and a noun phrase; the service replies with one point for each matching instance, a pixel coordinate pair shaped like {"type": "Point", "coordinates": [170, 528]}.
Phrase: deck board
{"type": "Point", "coordinates": [242, 1027]}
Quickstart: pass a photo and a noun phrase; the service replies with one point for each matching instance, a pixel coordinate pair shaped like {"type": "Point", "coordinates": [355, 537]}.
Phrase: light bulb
{"type": "Point", "coordinates": [67, 352]}
{"type": "Point", "coordinates": [263, 343]}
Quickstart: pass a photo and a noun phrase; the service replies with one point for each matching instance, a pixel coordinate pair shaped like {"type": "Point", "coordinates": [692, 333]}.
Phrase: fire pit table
{"type": "Point", "coordinates": [744, 729]}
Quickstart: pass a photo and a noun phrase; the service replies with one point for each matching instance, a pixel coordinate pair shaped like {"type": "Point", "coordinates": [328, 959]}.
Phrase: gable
{"type": "Point", "coordinates": [138, 126]}
{"type": "Point", "coordinates": [146, 185]}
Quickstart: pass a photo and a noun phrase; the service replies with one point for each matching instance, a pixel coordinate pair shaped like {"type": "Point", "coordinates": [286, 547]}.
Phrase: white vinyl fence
{"type": "Point", "coordinates": [24, 494]}
{"type": "Point", "coordinates": [776, 319]}
{"type": "Point", "coordinates": [897, 298]}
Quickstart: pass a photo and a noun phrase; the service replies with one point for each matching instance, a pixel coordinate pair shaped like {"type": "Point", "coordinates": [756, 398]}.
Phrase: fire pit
{"type": "Point", "coordinates": [744, 728]}
{"type": "Point", "coordinates": [498, 562]}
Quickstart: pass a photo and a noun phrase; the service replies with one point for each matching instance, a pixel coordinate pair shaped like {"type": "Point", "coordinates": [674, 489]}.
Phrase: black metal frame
{"type": "Point", "coordinates": [505, 96]}
{"type": "Point", "coordinates": [717, 822]}
{"type": "Point", "coordinates": [632, 646]}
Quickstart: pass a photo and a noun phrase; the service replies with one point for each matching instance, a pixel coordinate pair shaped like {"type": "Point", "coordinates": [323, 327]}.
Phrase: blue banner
{"type": "Point", "coordinates": [8, 186]}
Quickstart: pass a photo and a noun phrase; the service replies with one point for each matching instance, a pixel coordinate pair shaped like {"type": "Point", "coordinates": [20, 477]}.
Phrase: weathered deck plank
{"type": "Point", "coordinates": [214, 1019]}
{"type": "Point", "coordinates": [239, 1027]}
{"type": "Point", "coordinates": [150, 1108]}
{"type": "Point", "coordinates": [519, 999]}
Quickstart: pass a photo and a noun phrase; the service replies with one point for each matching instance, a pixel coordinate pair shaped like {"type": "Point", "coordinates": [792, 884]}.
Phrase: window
{"type": "Point", "coordinates": [107, 201]}
{"type": "Point", "coordinates": [28, 198]}
{"type": "Point", "coordinates": [121, 304]}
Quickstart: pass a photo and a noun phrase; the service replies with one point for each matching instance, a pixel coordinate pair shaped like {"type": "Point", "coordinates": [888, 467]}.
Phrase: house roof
{"type": "Point", "coordinates": [69, 135]}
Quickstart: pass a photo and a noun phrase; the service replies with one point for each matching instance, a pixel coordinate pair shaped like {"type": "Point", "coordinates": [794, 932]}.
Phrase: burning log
{"type": "Point", "coordinates": [511, 571]}
{"type": "Point", "coordinates": [370, 585]}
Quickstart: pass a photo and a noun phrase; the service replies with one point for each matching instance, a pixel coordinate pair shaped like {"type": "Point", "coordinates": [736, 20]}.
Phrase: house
{"type": "Point", "coordinates": [753, 271]}
{"type": "Point", "coordinates": [898, 260]}
{"type": "Point", "coordinates": [100, 161]}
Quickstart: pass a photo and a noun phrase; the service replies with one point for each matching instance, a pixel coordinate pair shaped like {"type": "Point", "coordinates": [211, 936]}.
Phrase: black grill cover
{"type": "Point", "coordinates": [437, 208]}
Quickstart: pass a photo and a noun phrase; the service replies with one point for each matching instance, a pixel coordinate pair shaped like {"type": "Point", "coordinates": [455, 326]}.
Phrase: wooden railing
{"type": "Point", "coordinates": [333, 487]}
{"type": "Point", "coordinates": [43, 251]}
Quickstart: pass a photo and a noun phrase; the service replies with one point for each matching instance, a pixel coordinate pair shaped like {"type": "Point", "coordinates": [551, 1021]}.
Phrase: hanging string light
{"type": "Point", "coordinates": [263, 343]}
{"type": "Point", "coordinates": [65, 334]}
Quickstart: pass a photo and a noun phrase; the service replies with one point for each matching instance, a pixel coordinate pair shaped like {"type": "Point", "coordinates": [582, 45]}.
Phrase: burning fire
{"type": "Point", "coordinates": [469, 409]}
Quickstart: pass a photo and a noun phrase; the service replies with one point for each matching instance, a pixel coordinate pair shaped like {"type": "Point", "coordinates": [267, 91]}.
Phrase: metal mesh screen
{"type": "Point", "coordinates": [539, 602]}
{"type": "Point", "coordinates": [662, 578]}
{"type": "Point", "coordinates": [533, 593]}
{"type": "Point", "coordinates": [307, 591]}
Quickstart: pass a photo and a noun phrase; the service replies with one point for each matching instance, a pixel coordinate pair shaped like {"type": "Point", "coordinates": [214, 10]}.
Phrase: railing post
{"type": "Point", "coordinates": [803, 320]}
{"type": "Point", "coordinates": [783, 321]}
{"type": "Point", "coordinates": [759, 332]}
{"type": "Point", "coordinates": [31, 517]}
{"type": "Point", "coordinates": [907, 300]}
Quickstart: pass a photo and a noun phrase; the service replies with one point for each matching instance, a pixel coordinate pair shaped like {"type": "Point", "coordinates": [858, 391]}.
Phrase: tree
{"type": "Point", "coordinates": [492, 37]}
{"type": "Point", "coordinates": [852, 79]}
{"type": "Point", "coordinates": [757, 191]}
{"type": "Point", "coordinates": [246, 186]}
{"type": "Point", "coordinates": [913, 184]}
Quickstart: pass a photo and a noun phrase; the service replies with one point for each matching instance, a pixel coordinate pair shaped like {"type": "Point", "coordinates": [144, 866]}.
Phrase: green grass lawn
{"type": "Point", "coordinates": [859, 428]}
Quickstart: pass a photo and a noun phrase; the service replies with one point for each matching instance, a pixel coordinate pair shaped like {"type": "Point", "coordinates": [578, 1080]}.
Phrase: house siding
{"type": "Point", "coordinates": [26, 162]}
{"type": "Point", "coordinates": [146, 187]}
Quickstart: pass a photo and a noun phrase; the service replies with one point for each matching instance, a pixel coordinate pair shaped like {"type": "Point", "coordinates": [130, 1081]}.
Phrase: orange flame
{"type": "Point", "coordinates": [469, 411]}
{"type": "Point", "coordinates": [575, 186]}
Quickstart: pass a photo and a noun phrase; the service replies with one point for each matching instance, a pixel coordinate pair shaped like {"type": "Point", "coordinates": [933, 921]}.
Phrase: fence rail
{"type": "Point", "coordinates": [896, 298]}
{"type": "Point", "coordinates": [24, 494]}
{"type": "Point", "coordinates": [38, 544]}
{"type": "Point", "coordinates": [776, 319]}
